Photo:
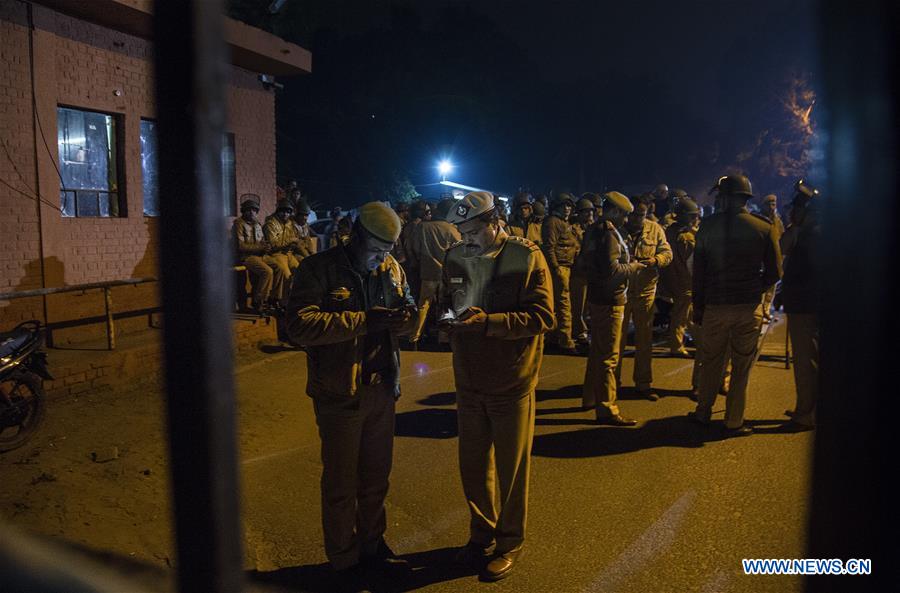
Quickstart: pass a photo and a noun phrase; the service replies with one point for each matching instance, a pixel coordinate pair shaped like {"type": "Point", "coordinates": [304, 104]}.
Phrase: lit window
{"type": "Point", "coordinates": [88, 163]}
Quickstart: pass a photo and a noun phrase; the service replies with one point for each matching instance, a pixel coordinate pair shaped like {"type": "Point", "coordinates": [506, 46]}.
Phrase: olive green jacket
{"type": "Point", "coordinates": [326, 313]}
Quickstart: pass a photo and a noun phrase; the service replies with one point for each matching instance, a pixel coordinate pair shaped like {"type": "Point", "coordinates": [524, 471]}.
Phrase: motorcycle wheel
{"type": "Point", "coordinates": [23, 413]}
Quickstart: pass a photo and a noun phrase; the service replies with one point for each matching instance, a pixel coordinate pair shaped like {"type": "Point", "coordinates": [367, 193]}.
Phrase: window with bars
{"type": "Point", "coordinates": [89, 163]}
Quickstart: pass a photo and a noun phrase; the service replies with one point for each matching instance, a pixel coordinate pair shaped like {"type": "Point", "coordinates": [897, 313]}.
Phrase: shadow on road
{"type": "Point", "coordinates": [568, 392]}
{"type": "Point", "coordinates": [439, 399]}
{"type": "Point", "coordinates": [426, 568]}
{"type": "Point", "coordinates": [427, 424]}
{"type": "Point", "coordinates": [675, 431]}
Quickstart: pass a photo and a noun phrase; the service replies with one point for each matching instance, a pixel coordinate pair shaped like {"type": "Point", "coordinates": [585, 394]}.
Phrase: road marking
{"type": "Point", "coordinates": [679, 369]}
{"type": "Point", "coordinates": [273, 455]}
{"type": "Point", "coordinates": [653, 542]}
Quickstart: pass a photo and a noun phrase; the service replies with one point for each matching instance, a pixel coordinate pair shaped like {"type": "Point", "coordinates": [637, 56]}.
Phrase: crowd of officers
{"type": "Point", "coordinates": [563, 275]}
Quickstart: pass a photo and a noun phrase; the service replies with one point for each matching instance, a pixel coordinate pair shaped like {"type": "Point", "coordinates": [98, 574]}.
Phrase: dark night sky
{"type": "Point", "coordinates": [571, 95]}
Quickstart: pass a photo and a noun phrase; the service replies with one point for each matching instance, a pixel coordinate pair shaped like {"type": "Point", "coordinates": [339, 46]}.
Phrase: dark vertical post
{"type": "Point", "coordinates": [853, 510]}
{"type": "Point", "coordinates": [196, 290]}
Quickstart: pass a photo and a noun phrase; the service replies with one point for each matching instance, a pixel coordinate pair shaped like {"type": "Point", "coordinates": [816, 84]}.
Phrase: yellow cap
{"type": "Point", "coordinates": [380, 221]}
{"type": "Point", "coordinates": [618, 200]}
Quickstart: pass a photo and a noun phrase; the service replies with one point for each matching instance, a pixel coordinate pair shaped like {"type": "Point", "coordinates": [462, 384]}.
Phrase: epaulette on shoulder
{"type": "Point", "coordinates": [761, 217]}
{"type": "Point", "coordinates": [531, 245]}
{"type": "Point", "coordinates": [456, 244]}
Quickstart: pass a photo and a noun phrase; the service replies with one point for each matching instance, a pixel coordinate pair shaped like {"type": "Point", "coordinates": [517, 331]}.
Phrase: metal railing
{"type": "Point", "coordinates": [106, 287]}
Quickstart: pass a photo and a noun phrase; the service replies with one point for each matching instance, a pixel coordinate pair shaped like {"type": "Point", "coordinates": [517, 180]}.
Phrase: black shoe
{"type": "Point", "coordinates": [648, 394]}
{"type": "Point", "coordinates": [692, 416]}
{"type": "Point", "coordinates": [617, 420]}
{"type": "Point", "coordinates": [500, 566]}
{"type": "Point", "coordinates": [790, 413]}
{"type": "Point", "coordinates": [473, 554]}
{"type": "Point", "coordinates": [792, 426]}
{"type": "Point", "coordinates": [741, 431]}
{"type": "Point", "coordinates": [384, 559]}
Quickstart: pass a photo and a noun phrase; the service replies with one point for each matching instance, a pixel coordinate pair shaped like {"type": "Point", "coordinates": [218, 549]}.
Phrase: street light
{"type": "Point", "coordinates": [444, 168]}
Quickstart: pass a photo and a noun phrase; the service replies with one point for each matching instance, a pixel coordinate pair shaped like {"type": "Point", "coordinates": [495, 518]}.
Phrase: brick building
{"type": "Point", "coordinates": [78, 198]}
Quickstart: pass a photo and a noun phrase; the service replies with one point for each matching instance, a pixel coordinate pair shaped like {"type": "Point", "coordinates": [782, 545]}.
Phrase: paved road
{"type": "Point", "coordinates": [665, 506]}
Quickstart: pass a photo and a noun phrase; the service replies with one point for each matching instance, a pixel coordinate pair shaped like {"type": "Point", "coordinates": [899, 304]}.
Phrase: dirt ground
{"type": "Point", "coordinates": [61, 483]}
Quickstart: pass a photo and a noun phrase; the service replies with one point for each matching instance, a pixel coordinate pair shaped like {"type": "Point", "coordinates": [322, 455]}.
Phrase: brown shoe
{"type": "Point", "coordinates": [500, 566]}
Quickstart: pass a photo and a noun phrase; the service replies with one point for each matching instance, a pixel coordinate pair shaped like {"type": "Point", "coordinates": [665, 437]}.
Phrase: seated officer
{"type": "Point", "coordinates": [252, 251]}
{"type": "Point", "coordinates": [347, 307]}
{"type": "Point", "coordinates": [283, 240]}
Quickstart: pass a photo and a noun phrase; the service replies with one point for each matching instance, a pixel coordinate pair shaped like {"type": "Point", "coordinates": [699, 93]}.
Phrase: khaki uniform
{"type": "Point", "coordinates": [647, 243]}
{"type": "Point", "coordinates": [429, 249]}
{"type": "Point", "coordinates": [528, 230]}
{"type": "Point", "coordinates": [408, 236]}
{"type": "Point", "coordinates": [560, 248]}
{"type": "Point", "coordinates": [307, 241]}
{"type": "Point", "coordinates": [496, 374]}
{"type": "Point", "coordinates": [353, 377]}
{"type": "Point", "coordinates": [736, 260]}
{"type": "Point", "coordinates": [250, 245]}
{"type": "Point", "coordinates": [578, 289]}
{"type": "Point", "coordinates": [769, 295]}
{"type": "Point", "coordinates": [282, 237]}
{"type": "Point", "coordinates": [677, 279]}
{"type": "Point", "coordinates": [608, 268]}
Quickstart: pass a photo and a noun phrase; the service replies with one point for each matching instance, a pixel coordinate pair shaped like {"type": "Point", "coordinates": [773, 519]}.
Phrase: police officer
{"type": "Point", "coordinates": [681, 235]}
{"type": "Point", "coordinates": [347, 307]}
{"type": "Point", "coordinates": [584, 219]}
{"type": "Point", "coordinates": [521, 222]}
{"type": "Point", "coordinates": [800, 294]}
{"type": "Point", "coordinates": [418, 212]}
{"type": "Point", "coordinates": [560, 247]}
{"type": "Point", "coordinates": [610, 268]}
{"type": "Point", "coordinates": [282, 237]}
{"type": "Point", "coordinates": [646, 241]}
{"type": "Point", "coordinates": [305, 237]}
{"type": "Point", "coordinates": [770, 211]}
{"type": "Point", "coordinates": [432, 242]}
{"type": "Point", "coordinates": [252, 252]}
{"type": "Point", "coordinates": [498, 302]}
{"type": "Point", "coordinates": [737, 258]}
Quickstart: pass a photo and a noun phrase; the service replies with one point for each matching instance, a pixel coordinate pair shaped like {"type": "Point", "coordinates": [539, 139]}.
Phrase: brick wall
{"type": "Point", "coordinates": [82, 65]}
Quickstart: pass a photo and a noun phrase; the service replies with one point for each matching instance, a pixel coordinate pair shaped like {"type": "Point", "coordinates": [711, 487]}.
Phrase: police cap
{"type": "Point", "coordinates": [249, 201]}
{"type": "Point", "coordinates": [380, 221]}
{"type": "Point", "coordinates": [584, 204]}
{"type": "Point", "coordinates": [619, 200]}
{"type": "Point", "coordinates": [301, 207]}
{"type": "Point", "coordinates": [284, 204]}
{"type": "Point", "coordinates": [562, 199]}
{"type": "Point", "coordinates": [471, 207]}
{"type": "Point", "coordinates": [686, 205]}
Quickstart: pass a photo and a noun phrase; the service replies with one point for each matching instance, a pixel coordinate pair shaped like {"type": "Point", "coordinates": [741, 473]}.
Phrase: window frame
{"type": "Point", "coordinates": [119, 203]}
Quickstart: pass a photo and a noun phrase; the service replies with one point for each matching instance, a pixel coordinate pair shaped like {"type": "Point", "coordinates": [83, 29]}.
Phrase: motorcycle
{"type": "Point", "coordinates": [22, 367]}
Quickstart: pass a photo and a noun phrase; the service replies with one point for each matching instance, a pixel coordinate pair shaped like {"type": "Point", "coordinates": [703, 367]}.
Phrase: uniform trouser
{"type": "Point", "coordinates": [284, 265]}
{"type": "Point", "coordinates": [495, 435]}
{"type": "Point", "coordinates": [600, 376]}
{"type": "Point", "coordinates": [728, 326]}
{"type": "Point", "coordinates": [260, 277]}
{"type": "Point", "coordinates": [680, 320]}
{"type": "Point", "coordinates": [803, 330]}
{"type": "Point", "coordinates": [562, 335]}
{"type": "Point", "coordinates": [639, 308]}
{"type": "Point", "coordinates": [357, 435]}
{"type": "Point", "coordinates": [767, 299]}
{"type": "Point", "coordinates": [578, 291]}
{"type": "Point", "coordinates": [698, 361]}
{"type": "Point", "coordinates": [428, 290]}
